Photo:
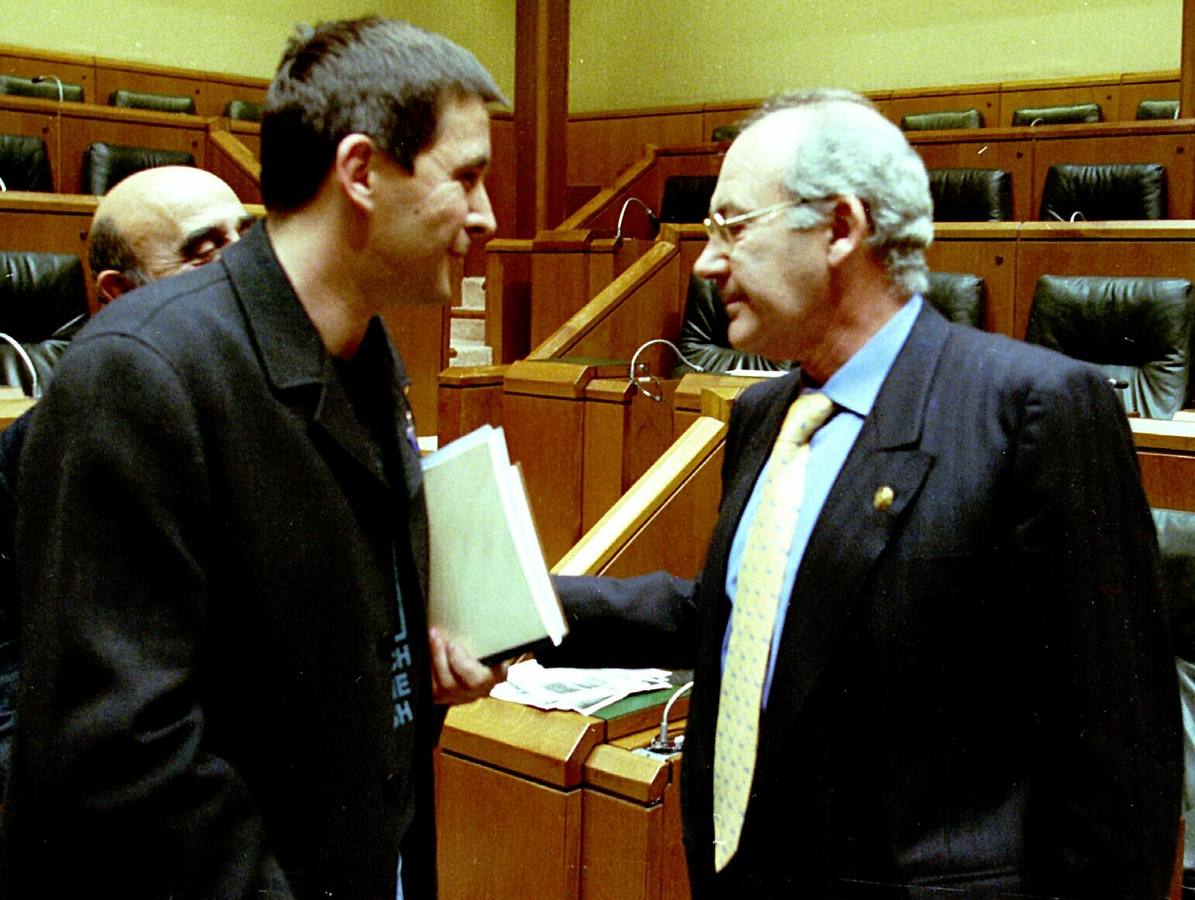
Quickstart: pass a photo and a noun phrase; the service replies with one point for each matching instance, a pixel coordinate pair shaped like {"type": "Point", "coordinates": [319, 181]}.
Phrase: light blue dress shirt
{"type": "Point", "coordinates": [853, 388]}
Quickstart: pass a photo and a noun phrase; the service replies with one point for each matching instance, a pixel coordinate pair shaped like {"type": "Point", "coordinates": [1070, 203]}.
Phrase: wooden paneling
{"type": "Point", "coordinates": [1145, 86]}
{"type": "Point", "coordinates": [985, 250]}
{"type": "Point", "coordinates": [211, 90]}
{"type": "Point", "coordinates": [1008, 149]}
{"type": "Point", "coordinates": [985, 98]}
{"type": "Point", "coordinates": [1165, 249]}
{"type": "Point", "coordinates": [504, 836]}
{"type": "Point", "coordinates": [70, 68]}
{"type": "Point", "coordinates": [1123, 143]}
{"type": "Point", "coordinates": [621, 852]}
{"type": "Point", "coordinates": [231, 160]}
{"type": "Point", "coordinates": [467, 399]}
{"type": "Point", "coordinates": [1104, 91]}
{"type": "Point", "coordinates": [600, 147]}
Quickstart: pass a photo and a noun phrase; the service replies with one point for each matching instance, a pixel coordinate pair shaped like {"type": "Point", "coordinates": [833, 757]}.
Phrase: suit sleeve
{"type": "Point", "coordinates": [115, 790]}
{"type": "Point", "coordinates": [1107, 707]}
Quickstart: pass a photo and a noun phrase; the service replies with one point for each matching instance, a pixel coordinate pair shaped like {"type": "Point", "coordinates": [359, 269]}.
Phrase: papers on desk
{"type": "Point", "coordinates": [489, 585]}
{"type": "Point", "coordinates": [583, 690]}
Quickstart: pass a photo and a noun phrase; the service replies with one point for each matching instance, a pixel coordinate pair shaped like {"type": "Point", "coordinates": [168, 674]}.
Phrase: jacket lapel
{"type": "Point", "coordinates": [293, 356]}
{"type": "Point", "coordinates": [878, 484]}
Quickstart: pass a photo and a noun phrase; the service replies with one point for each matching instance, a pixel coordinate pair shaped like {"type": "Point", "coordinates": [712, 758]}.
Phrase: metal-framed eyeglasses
{"type": "Point", "coordinates": [726, 231]}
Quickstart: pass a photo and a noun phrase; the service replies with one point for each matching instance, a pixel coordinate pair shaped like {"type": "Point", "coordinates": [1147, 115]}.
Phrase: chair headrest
{"type": "Point", "coordinates": [1138, 329]}
{"type": "Point", "coordinates": [105, 165]}
{"type": "Point", "coordinates": [725, 133]}
{"type": "Point", "coordinates": [175, 103]}
{"type": "Point", "coordinates": [39, 293]}
{"type": "Point", "coordinates": [957, 296]}
{"type": "Point", "coordinates": [243, 110]}
{"type": "Point", "coordinates": [46, 89]}
{"type": "Point", "coordinates": [971, 195]}
{"type": "Point", "coordinates": [1157, 109]}
{"type": "Point", "coordinates": [24, 163]}
{"type": "Point", "coordinates": [942, 119]}
{"type": "Point", "coordinates": [1106, 191]}
{"type": "Point", "coordinates": [687, 197]}
{"type": "Point", "coordinates": [1057, 115]}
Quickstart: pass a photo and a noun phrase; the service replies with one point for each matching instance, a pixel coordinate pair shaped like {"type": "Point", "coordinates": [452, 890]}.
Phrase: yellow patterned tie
{"type": "Point", "coordinates": [760, 580]}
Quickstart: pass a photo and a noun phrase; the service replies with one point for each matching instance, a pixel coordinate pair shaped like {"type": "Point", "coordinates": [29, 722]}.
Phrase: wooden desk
{"type": "Point", "coordinates": [556, 805]}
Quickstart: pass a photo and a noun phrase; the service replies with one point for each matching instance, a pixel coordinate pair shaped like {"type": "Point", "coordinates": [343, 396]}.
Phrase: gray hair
{"type": "Point", "coordinates": [107, 248]}
{"type": "Point", "coordinates": [850, 149]}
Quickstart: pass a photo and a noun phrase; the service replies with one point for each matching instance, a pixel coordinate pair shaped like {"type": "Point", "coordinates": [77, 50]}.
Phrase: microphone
{"type": "Point", "coordinates": [651, 216]}
{"type": "Point", "coordinates": [1118, 383]}
{"type": "Point", "coordinates": [23, 356]}
{"type": "Point", "coordinates": [661, 743]}
{"type": "Point", "coordinates": [645, 377]}
{"type": "Point", "coordinates": [38, 80]}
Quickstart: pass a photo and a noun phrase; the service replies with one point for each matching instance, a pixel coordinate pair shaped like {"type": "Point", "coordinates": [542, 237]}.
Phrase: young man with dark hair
{"type": "Point", "coordinates": [229, 687]}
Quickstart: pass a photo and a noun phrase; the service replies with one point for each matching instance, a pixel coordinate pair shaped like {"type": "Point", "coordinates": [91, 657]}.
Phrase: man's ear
{"type": "Point", "coordinates": [110, 284]}
{"type": "Point", "coordinates": [849, 227]}
{"type": "Point", "coordinates": [352, 169]}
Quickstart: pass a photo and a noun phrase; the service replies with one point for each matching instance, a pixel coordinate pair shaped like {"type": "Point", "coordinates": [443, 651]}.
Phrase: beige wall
{"type": "Point", "coordinates": [631, 53]}
{"type": "Point", "coordinates": [240, 36]}
{"type": "Point", "coordinates": [635, 53]}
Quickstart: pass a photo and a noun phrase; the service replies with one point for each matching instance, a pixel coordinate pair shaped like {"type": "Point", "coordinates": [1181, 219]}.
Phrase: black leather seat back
{"type": "Point", "coordinates": [1176, 543]}
{"type": "Point", "coordinates": [244, 110]}
{"type": "Point", "coordinates": [957, 296]}
{"type": "Point", "coordinates": [942, 119]}
{"type": "Point", "coordinates": [725, 133]}
{"type": "Point", "coordinates": [173, 103]}
{"type": "Point", "coordinates": [24, 163]}
{"type": "Point", "coordinates": [1157, 109]}
{"type": "Point", "coordinates": [1101, 192]}
{"type": "Point", "coordinates": [1077, 113]}
{"type": "Point", "coordinates": [1137, 329]}
{"type": "Point", "coordinates": [687, 198]}
{"type": "Point", "coordinates": [43, 301]}
{"type": "Point", "coordinates": [703, 335]}
{"type": "Point", "coordinates": [971, 195]}
{"type": "Point", "coordinates": [46, 89]}
{"type": "Point", "coordinates": [105, 165]}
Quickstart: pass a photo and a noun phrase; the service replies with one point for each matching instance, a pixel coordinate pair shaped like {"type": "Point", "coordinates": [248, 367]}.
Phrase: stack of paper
{"type": "Point", "coordinates": [489, 588]}
{"type": "Point", "coordinates": [583, 690]}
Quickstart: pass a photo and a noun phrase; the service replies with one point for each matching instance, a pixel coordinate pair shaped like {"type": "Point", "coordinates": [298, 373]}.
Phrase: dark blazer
{"type": "Point", "coordinates": [210, 547]}
{"type": "Point", "coordinates": [975, 688]}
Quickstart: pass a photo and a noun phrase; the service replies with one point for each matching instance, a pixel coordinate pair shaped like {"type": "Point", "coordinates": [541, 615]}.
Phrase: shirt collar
{"type": "Point", "coordinates": [854, 387]}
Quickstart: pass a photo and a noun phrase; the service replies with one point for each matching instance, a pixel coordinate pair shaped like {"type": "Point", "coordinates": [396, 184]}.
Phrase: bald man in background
{"type": "Point", "coordinates": [154, 224]}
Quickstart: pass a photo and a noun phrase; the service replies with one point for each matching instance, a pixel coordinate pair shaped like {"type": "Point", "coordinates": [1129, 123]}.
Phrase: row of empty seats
{"type": "Point", "coordinates": [25, 163]}
{"type": "Point", "coordinates": [1071, 192]}
{"type": "Point", "coordinates": [951, 119]}
{"type": "Point", "coordinates": [1071, 114]}
{"type": "Point", "coordinates": [51, 88]}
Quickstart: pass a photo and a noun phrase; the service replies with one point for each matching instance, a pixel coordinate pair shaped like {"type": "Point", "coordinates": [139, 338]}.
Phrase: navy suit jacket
{"type": "Point", "coordinates": [975, 688]}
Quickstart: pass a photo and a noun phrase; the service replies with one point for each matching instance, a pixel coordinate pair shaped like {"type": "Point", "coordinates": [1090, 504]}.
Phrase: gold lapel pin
{"type": "Point", "coordinates": [883, 497]}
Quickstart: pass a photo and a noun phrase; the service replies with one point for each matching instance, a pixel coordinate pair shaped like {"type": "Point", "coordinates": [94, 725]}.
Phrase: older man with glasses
{"type": "Point", "coordinates": [930, 655]}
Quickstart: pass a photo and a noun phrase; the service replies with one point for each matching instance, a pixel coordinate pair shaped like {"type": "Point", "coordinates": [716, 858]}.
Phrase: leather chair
{"type": "Point", "coordinates": [24, 163]}
{"type": "Point", "coordinates": [173, 103]}
{"type": "Point", "coordinates": [43, 302]}
{"type": "Point", "coordinates": [725, 133]}
{"type": "Point", "coordinates": [687, 198]}
{"type": "Point", "coordinates": [943, 119]}
{"type": "Point", "coordinates": [106, 164]}
{"type": "Point", "coordinates": [971, 195]}
{"type": "Point", "coordinates": [702, 339]}
{"type": "Point", "coordinates": [1101, 192]}
{"type": "Point", "coordinates": [45, 90]}
{"type": "Point", "coordinates": [957, 296]}
{"type": "Point", "coordinates": [1157, 109]}
{"type": "Point", "coordinates": [1176, 545]}
{"type": "Point", "coordinates": [1138, 330]}
{"type": "Point", "coordinates": [243, 110]}
{"type": "Point", "coordinates": [1057, 115]}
